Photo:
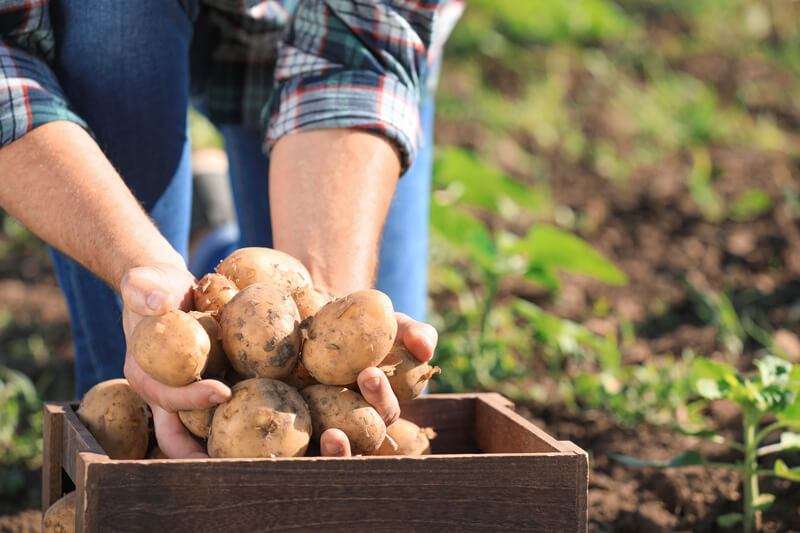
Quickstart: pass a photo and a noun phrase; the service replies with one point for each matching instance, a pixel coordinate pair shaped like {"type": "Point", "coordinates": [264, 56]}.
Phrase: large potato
{"type": "Point", "coordinates": [408, 376]}
{"type": "Point", "coordinates": [348, 335]}
{"type": "Point", "coordinates": [409, 438]}
{"type": "Point", "coordinates": [172, 348]}
{"type": "Point", "coordinates": [212, 292]}
{"type": "Point", "coordinates": [259, 332]}
{"type": "Point", "coordinates": [263, 418]}
{"type": "Point", "coordinates": [341, 408]}
{"type": "Point", "coordinates": [60, 517]}
{"type": "Point", "coordinates": [118, 418]}
{"type": "Point", "coordinates": [217, 364]}
{"type": "Point", "coordinates": [247, 266]}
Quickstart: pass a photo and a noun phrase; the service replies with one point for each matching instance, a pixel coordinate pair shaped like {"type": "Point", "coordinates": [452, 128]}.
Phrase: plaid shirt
{"type": "Point", "coordinates": [286, 66]}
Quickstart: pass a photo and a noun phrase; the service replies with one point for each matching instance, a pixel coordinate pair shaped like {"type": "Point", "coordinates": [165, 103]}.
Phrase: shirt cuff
{"type": "Point", "coordinates": [29, 95]}
{"type": "Point", "coordinates": [347, 99]}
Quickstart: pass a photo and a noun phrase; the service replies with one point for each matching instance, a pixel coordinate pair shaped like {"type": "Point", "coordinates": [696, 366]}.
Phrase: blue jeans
{"type": "Point", "coordinates": [112, 67]}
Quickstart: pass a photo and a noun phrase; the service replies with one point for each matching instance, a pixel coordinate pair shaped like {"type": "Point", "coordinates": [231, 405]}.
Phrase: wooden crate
{"type": "Point", "coordinates": [491, 470]}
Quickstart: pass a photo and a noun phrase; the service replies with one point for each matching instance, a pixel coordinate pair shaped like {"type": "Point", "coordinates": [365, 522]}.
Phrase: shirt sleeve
{"type": "Point", "coordinates": [29, 92]}
{"type": "Point", "coordinates": [354, 64]}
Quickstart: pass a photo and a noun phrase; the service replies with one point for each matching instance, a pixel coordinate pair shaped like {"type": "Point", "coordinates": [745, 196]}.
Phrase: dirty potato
{"type": "Point", "coordinates": [212, 292]}
{"type": "Point", "coordinates": [408, 376]}
{"type": "Point", "coordinates": [217, 364]}
{"type": "Point", "coordinates": [263, 418]}
{"type": "Point", "coordinates": [60, 517]}
{"type": "Point", "coordinates": [247, 266]}
{"type": "Point", "coordinates": [409, 438]}
{"type": "Point", "coordinates": [197, 421]}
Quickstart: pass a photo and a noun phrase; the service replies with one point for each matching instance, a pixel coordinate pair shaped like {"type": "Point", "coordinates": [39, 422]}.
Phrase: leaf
{"type": "Point", "coordinates": [763, 502]}
{"type": "Point", "coordinates": [690, 458]}
{"type": "Point", "coordinates": [774, 370]}
{"type": "Point", "coordinates": [729, 519]}
{"type": "Point", "coordinates": [709, 389]}
{"type": "Point", "coordinates": [463, 232]}
{"type": "Point", "coordinates": [548, 248]}
{"type": "Point", "coordinates": [749, 205]}
{"type": "Point", "coordinates": [482, 185]}
{"type": "Point", "coordinates": [703, 368]}
{"type": "Point", "coordinates": [781, 470]}
{"type": "Point", "coordinates": [701, 433]}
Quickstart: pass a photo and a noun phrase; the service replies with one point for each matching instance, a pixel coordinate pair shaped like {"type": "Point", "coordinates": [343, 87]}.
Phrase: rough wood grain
{"type": "Point", "coordinates": [436, 493]}
{"type": "Point", "coordinates": [51, 454]}
{"type": "Point", "coordinates": [452, 416]}
{"type": "Point", "coordinates": [76, 438]}
{"type": "Point", "coordinates": [498, 429]}
{"type": "Point", "coordinates": [582, 483]}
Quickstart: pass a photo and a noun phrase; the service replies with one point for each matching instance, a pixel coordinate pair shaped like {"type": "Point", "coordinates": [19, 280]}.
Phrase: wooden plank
{"type": "Point", "coordinates": [452, 416]}
{"type": "Point", "coordinates": [582, 484]}
{"type": "Point", "coordinates": [498, 429]}
{"type": "Point", "coordinates": [51, 453]}
{"type": "Point", "coordinates": [377, 494]}
{"type": "Point", "coordinates": [76, 438]}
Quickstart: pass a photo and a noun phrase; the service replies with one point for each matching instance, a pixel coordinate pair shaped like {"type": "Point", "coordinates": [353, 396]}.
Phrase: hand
{"type": "Point", "coordinates": [420, 339]}
{"type": "Point", "coordinates": [150, 291]}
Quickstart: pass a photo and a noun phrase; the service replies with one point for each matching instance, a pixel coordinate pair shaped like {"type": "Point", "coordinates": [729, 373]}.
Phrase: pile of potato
{"type": "Point", "coordinates": [291, 356]}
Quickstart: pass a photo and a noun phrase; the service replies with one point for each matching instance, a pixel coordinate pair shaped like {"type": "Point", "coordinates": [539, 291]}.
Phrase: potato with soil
{"type": "Point", "coordinates": [212, 292]}
{"type": "Point", "coordinates": [299, 377]}
{"type": "Point", "coordinates": [263, 418]}
{"type": "Point", "coordinates": [118, 418]}
{"type": "Point", "coordinates": [217, 364]}
{"type": "Point", "coordinates": [348, 335]}
{"type": "Point", "coordinates": [259, 332]}
{"type": "Point", "coordinates": [344, 409]}
{"type": "Point", "coordinates": [247, 266]}
{"type": "Point", "coordinates": [198, 421]}
{"type": "Point", "coordinates": [309, 301]}
{"type": "Point", "coordinates": [408, 376]}
{"type": "Point", "coordinates": [409, 438]}
{"type": "Point", "coordinates": [171, 348]}
{"type": "Point", "coordinates": [60, 517]}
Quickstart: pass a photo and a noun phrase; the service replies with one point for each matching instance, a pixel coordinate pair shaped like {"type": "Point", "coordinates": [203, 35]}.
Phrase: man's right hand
{"type": "Point", "coordinates": [154, 290]}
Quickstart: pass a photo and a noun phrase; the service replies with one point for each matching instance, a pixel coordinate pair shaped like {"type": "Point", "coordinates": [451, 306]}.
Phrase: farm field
{"type": "Point", "coordinates": [615, 247]}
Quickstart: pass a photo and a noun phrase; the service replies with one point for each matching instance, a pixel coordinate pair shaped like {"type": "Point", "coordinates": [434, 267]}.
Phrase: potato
{"type": "Point", "coordinates": [156, 453]}
{"type": "Point", "coordinates": [407, 375]}
{"type": "Point", "coordinates": [409, 438]}
{"type": "Point", "coordinates": [309, 301]}
{"type": "Point", "coordinates": [263, 418]}
{"type": "Point", "coordinates": [348, 335]}
{"type": "Point", "coordinates": [118, 418]}
{"type": "Point", "coordinates": [259, 332]}
{"type": "Point", "coordinates": [212, 292]}
{"type": "Point", "coordinates": [299, 377]}
{"type": "Point", "coordinates": [341, 408]}
{"type": "Point", "coordinates": [172, 348]}
{"type": "Point", "coordinates": [217, 364]}
{"type": "Point", "coordinates": [60, 517]}
{"type": "Point", "coordinates": [247, 266]}
{"type": "Point", "coordinates": [197, 421]}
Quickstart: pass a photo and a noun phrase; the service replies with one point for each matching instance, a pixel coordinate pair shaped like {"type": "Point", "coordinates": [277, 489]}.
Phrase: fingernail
{"type": "Point", "coordinates": [216, 398]}
{"type": "Point", "coordinates": [332, 449]}
{"type": "Point", "coordinates": [372, 384]}
{"type": "Point", "coordinates": [155, 300]}
{"type": "Point", "coordinates": [432, 337]}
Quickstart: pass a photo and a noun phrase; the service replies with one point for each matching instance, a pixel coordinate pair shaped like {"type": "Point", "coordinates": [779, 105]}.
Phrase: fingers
{"type": "Point", "coordinates": [175, 440]}
{"type": "Point", "coordinates": [420, 338]}
{"type": "Point", "coordinates": [334, 443]}
{"type": "Point", "coordinates": [376, 390]}
{"type": "Point", "coordinates": [198, 395]}
{"type": "Point", "coordinates": [154, 290]}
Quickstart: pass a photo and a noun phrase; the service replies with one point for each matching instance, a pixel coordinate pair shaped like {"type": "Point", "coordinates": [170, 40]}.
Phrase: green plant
{"type": "Point", "coordinates": [20, 428]}
{"type": "Point", "coordinates": [769, 401]}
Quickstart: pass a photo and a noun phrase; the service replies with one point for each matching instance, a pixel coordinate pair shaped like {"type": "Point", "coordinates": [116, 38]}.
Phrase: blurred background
{"type": "Point", "coordinates": [617, 192]}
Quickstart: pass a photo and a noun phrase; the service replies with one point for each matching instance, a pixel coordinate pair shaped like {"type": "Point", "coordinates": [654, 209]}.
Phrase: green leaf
{"type": "Point", "coordinates": [763, 502]}
{"type": "Point", "coordinates": [463, 232]}
{"type": "Point", "coordinates": [478, 184]}
{"type": "Point", "coordinates": [729, 519]}
{"type": "Point", "coordinates": [690, 458]}
{"type": "Point", "coordinates": [749, 205]}
{"type": "Point", "coordinates": [709, 389]}
{"type": "Point", "coordinates": [774, 370]}
{"type": "Point", "coordinates": [549, 249]}
{"type": "Point", "coordinates": [703, 368]}
{"type": "Point", "coordinates": [781, 470]}
{"type": "Point", "coordinates": [701, 433]}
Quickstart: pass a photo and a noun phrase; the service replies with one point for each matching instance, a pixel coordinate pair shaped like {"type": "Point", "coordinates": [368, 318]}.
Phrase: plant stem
{"type": "Point", "coordinates": [752, 518]}
{"type": "Point", "coordinates": [492, 283]}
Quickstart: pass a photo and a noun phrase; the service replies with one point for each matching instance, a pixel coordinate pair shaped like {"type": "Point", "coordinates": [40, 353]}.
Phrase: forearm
{"type": "Point", "coordinates": [59, 184]}
{"type": "Point", "coordinates": [330, 191]}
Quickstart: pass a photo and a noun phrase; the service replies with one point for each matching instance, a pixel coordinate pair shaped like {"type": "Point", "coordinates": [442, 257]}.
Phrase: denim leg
{"type": "Point", "coordinates": [403, 267]}
{"type": "Point", "coordinates": [124, 68]}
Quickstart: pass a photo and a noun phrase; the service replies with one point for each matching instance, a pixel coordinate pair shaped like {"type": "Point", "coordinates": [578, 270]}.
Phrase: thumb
{"type": "Point", "coordinates": [146, 291]}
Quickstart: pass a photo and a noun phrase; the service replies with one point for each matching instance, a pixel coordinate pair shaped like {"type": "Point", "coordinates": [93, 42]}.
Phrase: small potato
{"type": "Point", "coordinates": [299, 377]}
{"type": "Point", "coordinates": [409, 438]}
{"type": "Point", "coordinates": [309, 301]}
{"type": "Point", "coordinates": [348, 335]}
{"type": "Point", "coordinates": [212, 292]}
{"type": "Point", "coordinates": [259, 332]}
{"type": "Point", "coordinates": [198, 421]}
{"type": "Point", "coordinates": [341, 408]}
{"type": "Point", "coordinates": [172, 348]}
{"type": "Point", "coordinates": [60, 517]}
{"type": "Point", "coordinates": [408, 376]}
{"type": "Point", "coordinates": [118, 418]}
{"type": "Point", "coordinates": [217, 364]}
{"type": "Point", "coordinates": [263, 418]}
{"type": "Point", "coordinates": [247, 266]}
